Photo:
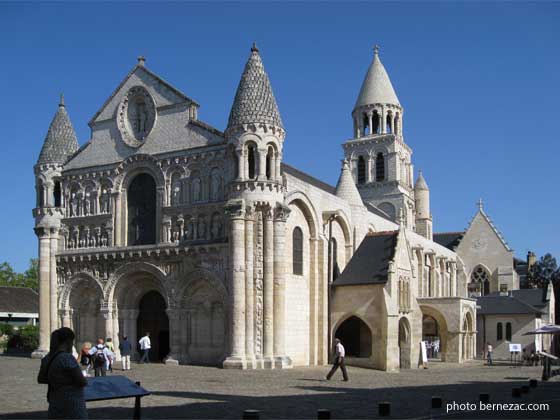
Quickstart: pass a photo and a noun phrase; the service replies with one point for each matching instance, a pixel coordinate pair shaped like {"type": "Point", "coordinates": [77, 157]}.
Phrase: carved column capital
{"type": "Point", "coordinates": [281, 213]}
{"type": "Point", "coordinates": [234, 209]}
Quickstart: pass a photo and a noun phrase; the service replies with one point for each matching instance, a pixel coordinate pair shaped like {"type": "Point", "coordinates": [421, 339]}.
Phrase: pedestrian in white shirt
{"type": "Point", "coordinates": [145, 346]}
{"type": "Point", "coordinates": [338, 361]}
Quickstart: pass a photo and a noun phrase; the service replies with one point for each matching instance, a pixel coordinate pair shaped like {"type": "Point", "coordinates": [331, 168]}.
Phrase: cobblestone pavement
{"type": "Point", "coordinates": [207, 392]}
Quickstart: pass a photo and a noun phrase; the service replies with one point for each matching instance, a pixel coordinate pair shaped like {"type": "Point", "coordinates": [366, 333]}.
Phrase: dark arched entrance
{"type": "Point", "coordinates": [141, 200]}
{"type": "Point", "coordinates": [355, 336]}
{"type": "Point", "coordinates": [431, 335]}
{"type": "Point", "coordinates": [152, 318]}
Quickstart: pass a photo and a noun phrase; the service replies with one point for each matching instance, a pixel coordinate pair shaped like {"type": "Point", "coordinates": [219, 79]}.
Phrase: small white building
{"type": "Point", "coordinates": [19, 306]}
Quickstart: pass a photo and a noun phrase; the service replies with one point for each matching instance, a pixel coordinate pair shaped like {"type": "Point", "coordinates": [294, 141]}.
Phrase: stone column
{"type": "Point", "coordinates": [236, 358]}
{"type": "Point", "coordinates": [44, 293]}
{"type": "Point", "coordinates": [174, 337]}
{"type": "Point", "coordinates": [107, 314]}
{"type": "Point", "coordinates": [160, 202]}
{"type": "Point", "coordinates": [133, 333]}
{"type": "Point", "coordinates": [281, 360]}
{"type": "Point", "coordinates": [240, 165]}
{"type": "Point", "coordinates": [117, 216]}
{"type": "Point", "coordinates": [370, 122]}
{"type": "Point", "coordinates": [278, 174]}
{"type": "Point", "coordinates": [262, 164]}
{"type": "Point", "coordinates": [53, 283]}
{"type": "Point", "coordinates": [383, 122]}
{"type": "Point", "coordinates": [185, 323]}
{"type": "Point", "coordinates": [369, 169]}
{"type": "Point", "coordinates": [249, 294]}
{"type": "Point", "coordinates": [268, 288]}
{"type": "Point", "coordinates": [115, 336]}
{"type": "Point", "coordinates": [65, 315]}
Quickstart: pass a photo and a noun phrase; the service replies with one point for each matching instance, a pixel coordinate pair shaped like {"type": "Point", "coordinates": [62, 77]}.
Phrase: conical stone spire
{"type": "Point", "coordinates": [254, 101]}
{"type": "Point", "coordinates": [420, 183]}
{"type": "Point", "coordinates": [377, 87]}
{"type": "Point", "coordinates": [61, 139]}
{"type": "Point", "coordinates": [346, 188]}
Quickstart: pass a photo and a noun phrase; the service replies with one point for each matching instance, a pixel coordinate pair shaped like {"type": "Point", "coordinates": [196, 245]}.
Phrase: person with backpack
{"type": "Point", "coordinates": [111, 347]}
{"type": "Point", "coordinates": [60, 370]}
{"type": "Point", "coordinates": [100, 356]}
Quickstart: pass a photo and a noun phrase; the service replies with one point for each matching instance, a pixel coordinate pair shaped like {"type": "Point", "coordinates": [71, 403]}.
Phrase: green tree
{"type": "Point", "coordinates": [545, 271]}
{"type": "Point", "coordinates": [30, 278]}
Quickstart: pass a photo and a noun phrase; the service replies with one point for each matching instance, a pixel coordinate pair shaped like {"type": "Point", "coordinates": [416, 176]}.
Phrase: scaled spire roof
{"type": "Point", "coordinates": [377, 87]}
{"type": "Point", "coordinates": [254, 101]}
{"type": "Point", "coordinates": [61, 141]}
{"type": "Point", "coordinates": [346, 188]}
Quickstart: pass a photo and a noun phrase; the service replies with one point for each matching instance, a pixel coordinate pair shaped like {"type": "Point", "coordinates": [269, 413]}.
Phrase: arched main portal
{"type": "Point", "coordinates": [355, 336]}
{"type": "Point", "coordinates": [152, 318]}
{"type": "Point", "coordinates": [468, 338]}
{"type": "Point", "coordinates": [404, 344]}
{"type": "Point", "coordinates": [141, 203]}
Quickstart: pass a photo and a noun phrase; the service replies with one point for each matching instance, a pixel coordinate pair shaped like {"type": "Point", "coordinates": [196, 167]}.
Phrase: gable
{"type": "Point", "coordinates": [163, 93]}
{"type": "Point", "coordinates": [483, 244]}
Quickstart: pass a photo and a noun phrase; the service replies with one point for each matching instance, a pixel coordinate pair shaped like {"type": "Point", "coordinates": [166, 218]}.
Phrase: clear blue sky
{"type": "Point", "coordinates": [479, 83]}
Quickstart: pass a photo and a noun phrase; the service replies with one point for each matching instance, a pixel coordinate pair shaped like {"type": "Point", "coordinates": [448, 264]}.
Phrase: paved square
{"type": "Point", "coordinates": [207, 392]}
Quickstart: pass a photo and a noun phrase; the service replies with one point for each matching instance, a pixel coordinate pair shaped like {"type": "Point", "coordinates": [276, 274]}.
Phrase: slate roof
{"type": "Point", "coordinates": [19, 299]}
{"type": "Point", "coordinates": [377, 211]}
{"type": "Point", "coordinates": [377, 87]}
{"type": "Point", "coordinates": [254, 101]}
{"type": "Point", "coordinates": [370, 262]}
{"type": "Point", "coordinates": [296, 173]}
{"type": "Point", "coordinates": [449, 240]}
{"type": "Point", "coordinates": [61, 141]}
{"type": "Point", "coordinates": [496, 304]}
{"type": "Point", "coordinates": [533, 297]}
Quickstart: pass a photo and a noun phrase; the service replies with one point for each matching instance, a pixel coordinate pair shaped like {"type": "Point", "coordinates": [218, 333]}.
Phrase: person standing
{"type": "Point", "coordinates": [111, 347]}
{"type": "Point", "coordinates": [100, 357]}
{"type": "Point", "coordinates": [145, 346]}
{"type": "Point", "coordinates": [85, 358]}
{"type": "Point", "coordinates": [60, 370]}
{"type": "Point", "coordinates": [126, 348]}
{"type": "Point", "coordinates": [340, 353]}
{"type": "Point", "coordinates": [489, 354]}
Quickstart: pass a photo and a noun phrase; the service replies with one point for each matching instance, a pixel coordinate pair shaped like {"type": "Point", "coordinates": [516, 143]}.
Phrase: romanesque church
{"type": "Point", "coordinates": [229, 256]}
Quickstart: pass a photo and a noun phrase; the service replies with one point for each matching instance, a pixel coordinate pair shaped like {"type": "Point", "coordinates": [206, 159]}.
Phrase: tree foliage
{"type": "Point", "coordinates": [29, 278]}
{"type": "Point", "coordinates": [544, 271]}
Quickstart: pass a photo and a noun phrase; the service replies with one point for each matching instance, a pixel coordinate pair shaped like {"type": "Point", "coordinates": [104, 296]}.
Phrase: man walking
{"type": "Point", "coordinates": [489, 354]}
{"type": "Point", "coordinates": [145, 346]}
{"type": "Point", "coordinates": [126, 348]}
{"type": "Point", "coordinates": [338, 361]}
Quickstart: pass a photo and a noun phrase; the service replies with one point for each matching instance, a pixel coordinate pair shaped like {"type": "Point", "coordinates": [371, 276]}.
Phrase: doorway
{"type": "Point", "coordinates": [152, 318]}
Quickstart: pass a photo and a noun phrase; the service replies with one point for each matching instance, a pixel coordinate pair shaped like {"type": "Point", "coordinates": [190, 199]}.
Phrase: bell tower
{"type": "Point", "coordinates": [379, 158]}
{"type": "Point", "coordinates": [255, 136]}
{"type": "Point", "coordinates": [60, 143]}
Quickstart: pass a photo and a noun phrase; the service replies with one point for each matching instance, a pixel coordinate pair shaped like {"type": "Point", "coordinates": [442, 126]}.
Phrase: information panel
{"type": "Point", "coordinates": [112, 387]}
{"type": "Point", "coordinates": [515, 348]}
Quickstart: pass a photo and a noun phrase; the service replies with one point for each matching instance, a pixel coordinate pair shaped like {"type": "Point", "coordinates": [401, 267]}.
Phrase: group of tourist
{"type": "Point", "coordinates": [65, 371]}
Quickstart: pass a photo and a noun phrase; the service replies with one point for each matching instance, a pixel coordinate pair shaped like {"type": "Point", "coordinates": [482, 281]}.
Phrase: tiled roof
{"type": "Point", "coordinates": [370, 262]}
{"type": "Point", "coordinates": [254, 101]}
{"type": "Point", "coordinates": [377, 87]}
{"type": "Point", "coordinates": [19, 299]}
{"type": "Point", "coordinates": [449, 240]}
{"type": "Point", "coordinates": [61, 141]}
{"type": "Point", "coordinates": [496, 304]}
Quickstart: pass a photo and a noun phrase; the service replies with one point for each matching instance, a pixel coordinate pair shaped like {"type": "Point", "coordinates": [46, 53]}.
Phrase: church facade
{"type": "Point", "coordinates": [229, 256]}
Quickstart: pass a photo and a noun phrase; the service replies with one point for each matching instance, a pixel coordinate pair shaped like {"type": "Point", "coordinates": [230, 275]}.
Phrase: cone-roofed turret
{"type": "Point", "coordinates": [61, 141]}
{"type": "Point", "coordinates": [377, 87]}
{"type": "Point", "coordinates": [254, 101]}
{"type": "Point", "coordinates": [346, 188]}
{"type": "Point", "coordinates": [421, 183]}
